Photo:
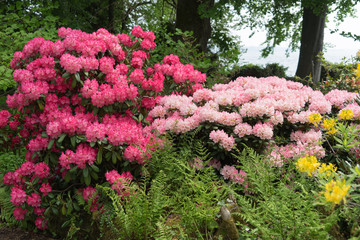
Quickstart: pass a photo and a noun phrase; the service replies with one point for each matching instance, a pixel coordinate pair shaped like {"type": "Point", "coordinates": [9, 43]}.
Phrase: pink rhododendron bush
{"type": "Point", "coordinates": [269, 114]}
{"type": "Point", "coordinates": [82, 103]}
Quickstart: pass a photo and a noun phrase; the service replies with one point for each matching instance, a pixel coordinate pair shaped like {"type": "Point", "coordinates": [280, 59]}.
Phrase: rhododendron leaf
{"type": "Point", "coordinates": [141, 117]}
{"type": "Point", "coordinates": [73, 85]}
{"type": "Point", "coordinates": [100, 75]}
{"type": "Point", "coordinates": [95, 168]}
{"type": "Point", "coordinates": [95, 111]}
{"type": "Point", "coordinates": [61, 137]}
{"type": "Point", "coordinates": [51, 195]}
{"type": "Point", "coordinates": [67, 177]}
{"type": "Point", "coordinates": [44, 135]}
{"type": "Point", "coordinates": [135, 118]}
{"type": "Point", "coordinates": [94, 175]}
{"type": "Point", "coordinates": [92, 144]}
{"type": "Point", "coordinates": [51, 143]}
{"type": "Point", "coordinates": [76, 206]}
{"type": "Point", "coordinates": [87, 180]}
{"type": "Point", "coordinates": [77, 77]}
{"type": "Point", "coordinates": [55, 211]}
{"type": "Point", "coordinates": [47, 211]}
{"type": "Point", "coordinates": [108, 155]}
{"type": "Point", "coordinates": [73, 141]}
{"type": "Point", "coordinates": [114, 158]}
{"type": "Point", "coordinates": [63, 210]}
{"type": "Point", "coordinates": [66, 75]}
{"type": "Point", "coordinates": [41, 106]}
{"type": "Point", "coordinates": [69, 208]}
{"type": "Point", "coordinates": [85, 172]}
{"type": "Point", "coordinates": [99, 156]}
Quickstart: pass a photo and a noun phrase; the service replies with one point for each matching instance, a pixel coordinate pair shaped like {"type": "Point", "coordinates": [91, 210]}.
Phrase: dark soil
{"type": "Point", "coordinates": [18, 234]}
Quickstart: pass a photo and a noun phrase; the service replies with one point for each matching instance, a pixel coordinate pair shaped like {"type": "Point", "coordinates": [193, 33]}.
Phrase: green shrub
{"type": "Point", "coordinates": [177, 201]}
{"type": "Point", "coordinates": [280, 203]}
{"type": "Point", "coordinates": [252, 70]}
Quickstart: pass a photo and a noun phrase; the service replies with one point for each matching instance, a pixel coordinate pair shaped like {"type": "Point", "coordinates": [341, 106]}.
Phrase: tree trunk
{"type": "Point", "coordinates": [312, 39]}
{"type": "Point", "coordinates": [111, 8]}
{"type": "Point", "coordinates": [189, 19]}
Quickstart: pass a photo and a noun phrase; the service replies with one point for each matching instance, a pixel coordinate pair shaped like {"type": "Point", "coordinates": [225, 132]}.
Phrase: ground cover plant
{"type": "Point", "coordinates": [103, 142]}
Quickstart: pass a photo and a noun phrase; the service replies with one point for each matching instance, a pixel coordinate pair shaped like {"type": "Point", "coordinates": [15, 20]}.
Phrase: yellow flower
{"type": "Point", "coordinates": [357, 71]}
{"type": "Point", "coordinates": [327, 169]}
{"type": "Point", "coordinates": [315, 118]}
{"type": "Point", "coordinates": [336, 191]}
{"type": "Point", "coordinates": [332, 131]}
{"type": "Point", "coordinates": [308, 164]}
{"type": "Point", "coordinates": [346, 114]}
{"type": "Point", "coordinates": [329, 124]}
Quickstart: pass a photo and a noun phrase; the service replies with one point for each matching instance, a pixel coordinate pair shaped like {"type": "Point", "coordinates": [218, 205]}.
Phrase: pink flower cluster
{"type": "Point", "coordinates": [252, 106]}
{"type": "Point", "coordinates": [4, 117]}
{"type": "Point", "coordinates": [221, 137]}
{"type": "Point", "coordinates": [120, 183]}
{"type": "Point", "coordinates": [234, 175]}
{"type": "Point", "coordinates": [82, 92]}
{"type": "Point", "coordinates": [84, 155]}
{"type": "Point", "coordinates": [26, 197]}
{"type": "Point", "coordinates": [90, 196]}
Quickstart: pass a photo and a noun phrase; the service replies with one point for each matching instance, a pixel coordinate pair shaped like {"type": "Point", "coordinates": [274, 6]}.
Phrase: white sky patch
{"type": "Point", "coordinates": [331, 40]}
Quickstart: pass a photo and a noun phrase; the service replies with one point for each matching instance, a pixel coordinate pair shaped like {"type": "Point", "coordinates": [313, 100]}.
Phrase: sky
{"type": "Point", "coordinates": [335, 40]}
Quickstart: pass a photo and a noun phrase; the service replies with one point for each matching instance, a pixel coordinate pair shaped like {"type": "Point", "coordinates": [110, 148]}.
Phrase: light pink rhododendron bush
{"type": "Point", "coordinates": [269, 114]}
{"type": "Point", "coordinates": [83, 101]}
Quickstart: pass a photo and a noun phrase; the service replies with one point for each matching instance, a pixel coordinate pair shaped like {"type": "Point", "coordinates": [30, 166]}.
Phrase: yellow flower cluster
{"type": "Point", "coordinates": [346, 114]}
{"type": "Point", "coordinates": [307, 164]}
{"type": "Point", "coordinates": [310, 165]}
{"type": "Point", "coordinates": [327, 169]}
{"type": "Point", "coordinates": [357, 71]}
{"type": "Point", "coordinates": [336, 191]}
{"type": "Point", "coordinates": [315, 118]}
{"type": "Point", "coordinates": [329, 125]}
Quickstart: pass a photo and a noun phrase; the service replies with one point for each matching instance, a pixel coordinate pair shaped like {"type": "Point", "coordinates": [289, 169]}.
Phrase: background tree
{"type": "Point", "coordinates": [21, 22]}
{"type": "Point", "coordinates": [301, 22]}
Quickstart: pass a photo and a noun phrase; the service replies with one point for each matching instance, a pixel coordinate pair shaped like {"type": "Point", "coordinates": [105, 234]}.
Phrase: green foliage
{"type": "Point", "coordinates": [10, 161]}
{"type": "Point", "coordinates": [6, 208]}
{"type": "Point", "coordinates": [338, 76]}
{"type": "Point", "coordinates": [271, 69]}
{"type": "Point", "coordinates": [188, 53]}
{"type": "Point", "coordinates": [280, 203]}
{"type": "Point", "coordinates": [21, 22]}
{"type": "Point", "coordinates": [178, 200]}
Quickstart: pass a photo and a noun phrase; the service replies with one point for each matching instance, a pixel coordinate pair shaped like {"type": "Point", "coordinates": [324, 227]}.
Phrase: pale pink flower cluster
{"type": "Point", "coordinates": [221, 137]}
{"type": "Point", "coordinates": [338, 97]}
{"type": "Point", "coordinates": [263, 131]}
{"type": "Point", "coordinates": [234, 175]}
{"type": "Point", "coordinates": [355, 109]}
{"type": "Point", "coordinates": [251, 106]}
{"type": "Point", "coordinates": [279, 154]}
{"type": "Point", "coordinates": [311, 136]}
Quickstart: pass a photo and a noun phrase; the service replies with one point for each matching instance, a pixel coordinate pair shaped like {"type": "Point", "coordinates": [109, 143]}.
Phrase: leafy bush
{"type": "Point", "coordinates": [21, 23]}
{"type": "Point", "coordinates": [82, 103]}
{"type": "Point", "coordinates": [262, 113]}
{"type": "Point", "coordinates": [280, 203]}
{"type": "Point", "coordinates": [179, 200]}
{"type": "Point", "coordinates": [252, 70]}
